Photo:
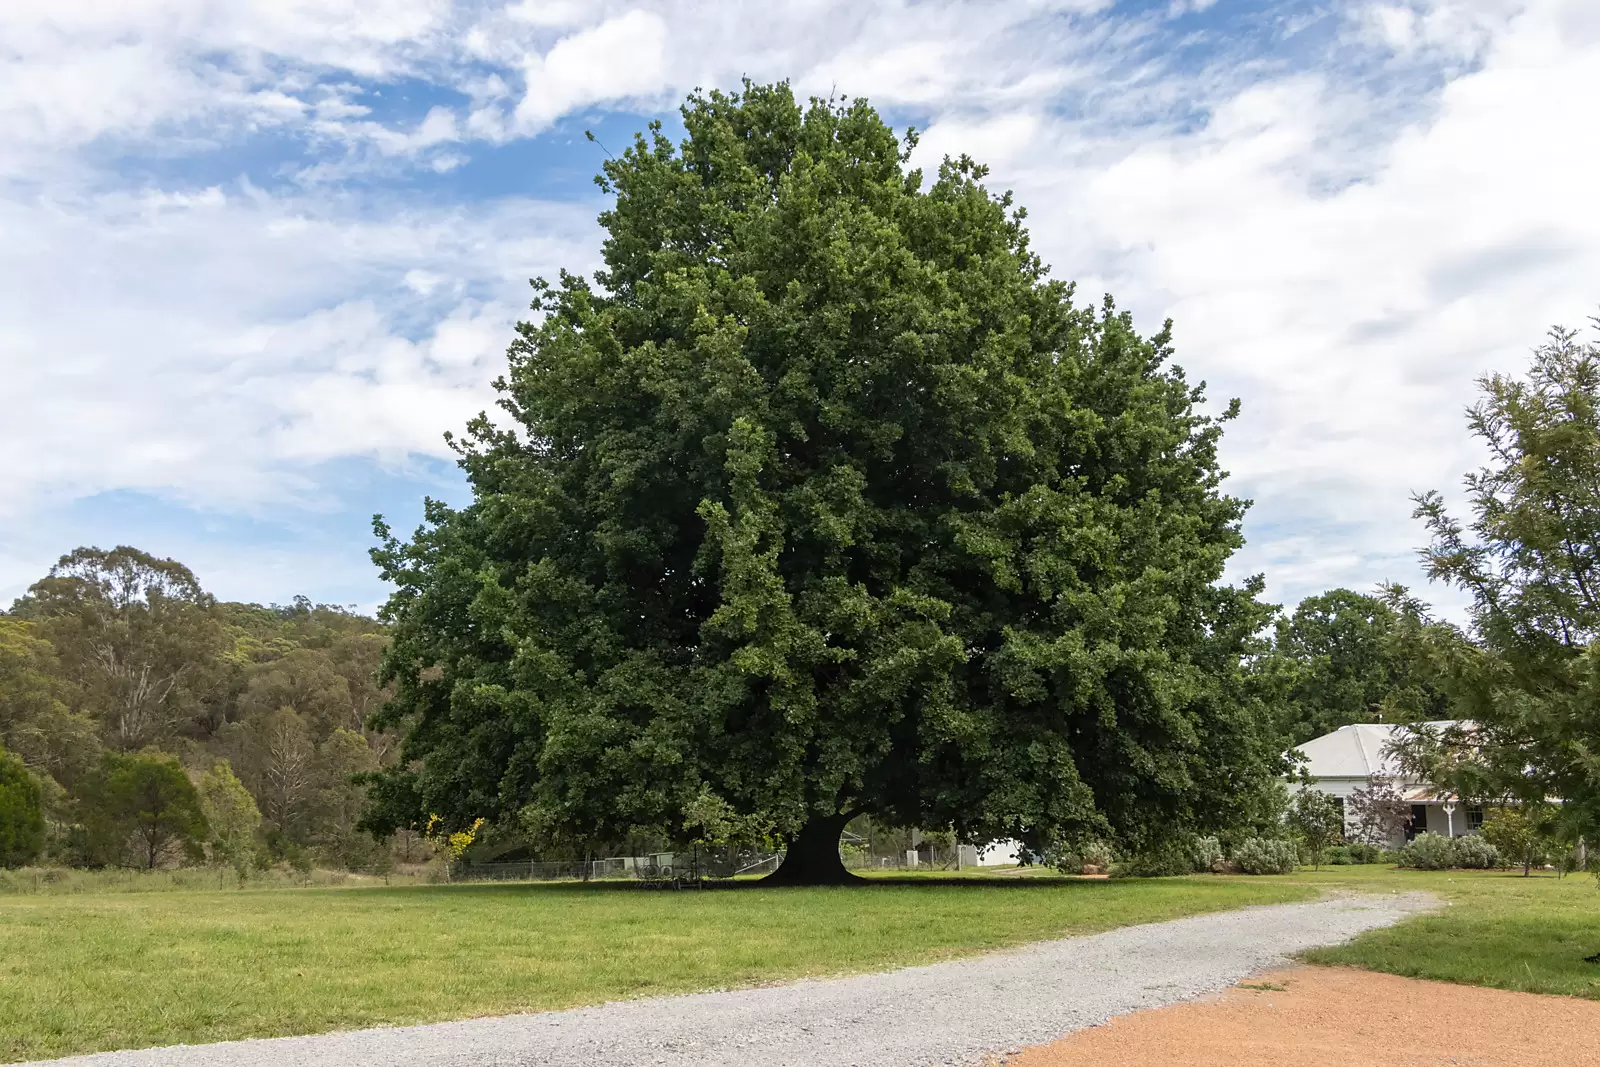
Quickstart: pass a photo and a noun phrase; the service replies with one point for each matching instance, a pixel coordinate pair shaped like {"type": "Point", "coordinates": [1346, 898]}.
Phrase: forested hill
{"type": "Point", "coordinates": [118, 652]}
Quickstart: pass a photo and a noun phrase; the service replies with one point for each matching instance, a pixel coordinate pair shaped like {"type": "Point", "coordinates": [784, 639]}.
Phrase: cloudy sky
{"type": "Point", "coordinates": [258, 255]}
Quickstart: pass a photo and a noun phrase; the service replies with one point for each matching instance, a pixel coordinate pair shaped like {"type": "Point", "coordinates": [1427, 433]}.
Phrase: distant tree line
{"type": "Point", "coordinates": [147, 723]}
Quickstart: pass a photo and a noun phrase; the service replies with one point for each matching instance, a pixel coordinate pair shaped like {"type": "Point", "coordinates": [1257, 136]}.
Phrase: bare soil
{"type": "Point", "coordinates": [1340, 1017]}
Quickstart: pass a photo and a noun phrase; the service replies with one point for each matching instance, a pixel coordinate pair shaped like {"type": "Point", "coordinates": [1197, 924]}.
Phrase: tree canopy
{"type": "Point", "coordinates": [1340, 658]}
{"type": "Point", "coordinates": [822, 498]}
{"type": "Point", "coordinates": [139, 805]}
{"type": "Point", "coordinates": [21, 813]}
{"type": "Point", "coordinates": [1526, 674]}
{"type": "Point", "coordinates": [121, 649]}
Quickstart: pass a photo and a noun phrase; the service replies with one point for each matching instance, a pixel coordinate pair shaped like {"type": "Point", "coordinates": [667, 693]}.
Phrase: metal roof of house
{"type": "Point", "coordinates": [1356, 751]}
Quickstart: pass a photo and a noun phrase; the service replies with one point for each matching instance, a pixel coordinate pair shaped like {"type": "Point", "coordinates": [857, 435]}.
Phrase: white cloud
{"type": "Point", "coordinates": [1346, 233]}
{"type": "Point", "coordinates": [129, 69]}
{"type": "Point", "coordinates": [209, 346]}
{"type": "Point", "coordinates": [1351, 316]}
{"type": "Point", "coordinates": [619, 59]}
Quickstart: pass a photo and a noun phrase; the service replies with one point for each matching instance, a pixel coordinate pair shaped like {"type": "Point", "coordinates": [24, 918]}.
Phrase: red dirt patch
{"type": "Point", "coordinates": [1340, 1017]}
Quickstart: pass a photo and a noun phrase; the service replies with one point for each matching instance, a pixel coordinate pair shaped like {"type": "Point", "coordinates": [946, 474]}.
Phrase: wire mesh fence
{"type": "Point", "coordinates": [662, 869]}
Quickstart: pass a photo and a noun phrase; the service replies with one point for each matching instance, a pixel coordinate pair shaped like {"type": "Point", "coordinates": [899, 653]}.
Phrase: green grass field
{"type": "Point", "coordinates": [95, 971]}
{"type": "Point", "coordinates": [1500, 929]}
{"type": "Point", "coordinates": [123, 968]}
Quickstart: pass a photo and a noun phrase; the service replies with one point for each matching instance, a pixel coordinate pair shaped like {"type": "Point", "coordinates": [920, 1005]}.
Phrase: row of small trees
{"type": "Point", "coordinates": [137, 809]}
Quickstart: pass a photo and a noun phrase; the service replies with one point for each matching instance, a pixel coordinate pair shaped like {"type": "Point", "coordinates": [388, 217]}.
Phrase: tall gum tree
{"type": "Point", "coordinates": [823, 499]}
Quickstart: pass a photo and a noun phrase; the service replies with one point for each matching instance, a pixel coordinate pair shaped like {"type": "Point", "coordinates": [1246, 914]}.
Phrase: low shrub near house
{"type": "Point", "coordinates": [1265, 855]}
{"type": "Point", "coordinates": [1161, 861]}
{"type": "Point", "coordinates": [1347, 855]}
{"type": "Point", "coordinates": [1429, 852]}
{"type": "Point", "coordinates": [1476, 854]}
{"type": "Point", "coordinates": [1362, 853]}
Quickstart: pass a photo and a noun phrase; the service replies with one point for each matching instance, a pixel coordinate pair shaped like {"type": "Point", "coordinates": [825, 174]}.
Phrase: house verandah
{"type": "Point", "coordinates": [1355, 756]}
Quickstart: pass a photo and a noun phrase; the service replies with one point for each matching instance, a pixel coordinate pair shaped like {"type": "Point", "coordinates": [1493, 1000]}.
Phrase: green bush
{"type": "Point", "coordinates": [1363, 853]}
{"type": "Point", "coordinates": [1265, 855]}
{"type": "Point", "coordinates": [1518, 836]}
{"type": "Point", "coordinates": [1338, 856]}
{"type": "Point", "coordinates": [1476, 853]}
{"type": "Point", "coordinates": [1073, 860]}
{"type": "Point", "coordinates": [138, 808]}
{"type": "Point", "coordinates": [21, 813]}
{"type": "Point", "coordinates": [1206, 852]}
{"type": "Point", "coordinates": [1161, 861]}
{"type": "Point", "coordinates": [1429, 852]}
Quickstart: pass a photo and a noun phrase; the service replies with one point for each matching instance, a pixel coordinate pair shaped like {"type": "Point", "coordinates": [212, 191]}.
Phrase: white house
{"type": "Point", "coordinates": [1352, 757]}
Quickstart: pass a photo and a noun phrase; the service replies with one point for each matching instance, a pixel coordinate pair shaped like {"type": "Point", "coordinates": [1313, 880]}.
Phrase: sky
{"type": "Point", "coordinates": [258, 256]}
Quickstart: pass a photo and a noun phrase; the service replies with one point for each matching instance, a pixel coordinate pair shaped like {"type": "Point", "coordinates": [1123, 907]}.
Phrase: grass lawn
{"type": "Point", "coordinates": [81, 973]}
{"type": "Point", "coordinates": [1500, 929]}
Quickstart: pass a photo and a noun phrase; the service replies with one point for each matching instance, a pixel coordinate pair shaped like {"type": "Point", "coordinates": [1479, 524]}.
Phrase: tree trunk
{"type": "Point", "coordinates": [812, 857]}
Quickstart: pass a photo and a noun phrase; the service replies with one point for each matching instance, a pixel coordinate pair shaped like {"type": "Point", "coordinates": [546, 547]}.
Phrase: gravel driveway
{"type": "Point", "coordinates": [946, 1013]}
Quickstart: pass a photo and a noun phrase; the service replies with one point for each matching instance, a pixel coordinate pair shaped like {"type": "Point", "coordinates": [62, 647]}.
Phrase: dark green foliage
{"type": "Point", "coordinates": [825, 500]}
{"type": "Point", "coordinates": [21, 813]}
{"type": "Point", "coordinates": [1317, 820]}
{"type": "Point", "coordinates": [137, 808]}
{"type": "Point", "coordinates": [1338, 662]}
{"type": "Point", "coordinates": [1527, 674]}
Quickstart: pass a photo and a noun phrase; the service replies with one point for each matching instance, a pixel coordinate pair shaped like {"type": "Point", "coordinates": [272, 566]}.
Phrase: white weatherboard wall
{"type": "Point", "coordinates": [1352, 757]}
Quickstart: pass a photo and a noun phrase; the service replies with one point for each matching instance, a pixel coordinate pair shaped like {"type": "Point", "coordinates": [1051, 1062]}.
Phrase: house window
{"type": "Point", "coordinates": [1419, 821]}
{"type": "Point", "coordinates": [1474, 820]}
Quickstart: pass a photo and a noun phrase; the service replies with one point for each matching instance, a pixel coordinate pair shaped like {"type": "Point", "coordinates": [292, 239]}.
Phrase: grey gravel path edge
{"type": "Point", "coordinates": [955, 1013]}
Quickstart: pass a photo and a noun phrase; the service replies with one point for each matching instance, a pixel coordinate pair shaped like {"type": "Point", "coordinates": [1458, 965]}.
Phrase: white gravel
{"type": "Point", "coordinates": [956, 1013]}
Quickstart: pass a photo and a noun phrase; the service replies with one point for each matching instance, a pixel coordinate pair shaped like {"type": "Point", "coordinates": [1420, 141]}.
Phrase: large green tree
{"type": "Point", "coordinates": [1340, 660]}
{"type": "Point", "coordinates": [140, 808]}
{"type": "Point", "coordinates": [1526, 674]}
{"type": "Point", "coordinates": [823, 499]}
{"type": "Point", "coordinates": [37, 722]}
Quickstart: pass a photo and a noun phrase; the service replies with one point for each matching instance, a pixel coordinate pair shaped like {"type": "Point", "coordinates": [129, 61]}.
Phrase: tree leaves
{"type": "Point", "coordinates": [822, 498]}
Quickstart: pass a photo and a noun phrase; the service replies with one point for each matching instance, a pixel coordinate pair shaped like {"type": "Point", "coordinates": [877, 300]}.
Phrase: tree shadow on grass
{"type": "Point", "coordinates": [876, 883]}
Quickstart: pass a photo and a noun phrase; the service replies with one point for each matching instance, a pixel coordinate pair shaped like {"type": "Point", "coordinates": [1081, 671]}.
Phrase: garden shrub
{"type": "Point", "coordinates": [1074, 859]}
{"type": "Point", "coordinates": [1338, 856]}
{"type": "Point", "coordinates": [1476, 853]}
{"type": "Point", "coordinates": [1206, 852]}
{"type": "Point", "coordinates": [1429, 852]}
{"type": "Point", "coordinates": [1159, 861]}
{"type": "Point", "coordinates": [1265, 855]}
{"type": "Point", "coordinates": [1364, 853]}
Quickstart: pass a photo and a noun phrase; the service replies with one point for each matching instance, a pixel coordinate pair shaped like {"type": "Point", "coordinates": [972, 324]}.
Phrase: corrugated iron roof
{"type": "Point", "coordinates": [1356, 751]}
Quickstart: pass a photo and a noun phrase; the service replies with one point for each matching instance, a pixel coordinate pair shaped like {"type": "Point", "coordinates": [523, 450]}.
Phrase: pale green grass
{"type": "Point", "coordinates": [80, 973]}
{"type": "Point", "coordinates": [1498, 929]}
